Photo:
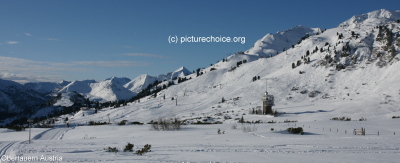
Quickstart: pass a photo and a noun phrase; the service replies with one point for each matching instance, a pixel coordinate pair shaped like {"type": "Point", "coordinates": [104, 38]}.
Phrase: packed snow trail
{"type": "Point", "coordinates": [51, 134]}
{"type": "Point", "coordinates": [4, 146]}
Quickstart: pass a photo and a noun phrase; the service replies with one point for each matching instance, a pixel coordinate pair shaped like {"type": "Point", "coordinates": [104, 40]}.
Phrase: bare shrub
{"type": "Point", "coordinates": [166, 124]}
{"type": "Point", "coordinates": [249, 128]}
{"type": "Point", "coordinates": [234, 126]}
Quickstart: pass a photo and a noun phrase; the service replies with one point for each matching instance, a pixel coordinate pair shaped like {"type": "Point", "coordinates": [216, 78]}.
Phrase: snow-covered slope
{"type": "Point", "coordinates": [272, 44]}
{"type": "Point", "coordinates": [180, 72]}
{"type": "Point", "coordinates": [15, 98]}
{"type": "Point", "coordinates": [79, 86]}
{"type": "Point", "coordinates": [140, 83]}
{"type": "Point", "coordinates": [115, 88]}
{"type": "Point", "coordinates": [47, 87]}
{"type": "Point", "coordinates": [343, 71]}
{"type": "Point", "coordinates": [377, 17]}
{"type": "Point", "coordinates": [111, 89]}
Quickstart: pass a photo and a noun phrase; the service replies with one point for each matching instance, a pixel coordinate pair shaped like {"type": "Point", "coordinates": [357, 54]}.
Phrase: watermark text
{"type": "Point", "coordinates": [174, 39]}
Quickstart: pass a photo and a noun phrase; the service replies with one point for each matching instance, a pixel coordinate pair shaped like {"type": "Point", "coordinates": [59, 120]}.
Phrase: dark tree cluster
{"type": "Point", "coordinates": [255, 78]}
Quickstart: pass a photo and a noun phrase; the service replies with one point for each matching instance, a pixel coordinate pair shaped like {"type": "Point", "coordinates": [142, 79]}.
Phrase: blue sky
{"type": "Point", "coordinates": [47, 40]}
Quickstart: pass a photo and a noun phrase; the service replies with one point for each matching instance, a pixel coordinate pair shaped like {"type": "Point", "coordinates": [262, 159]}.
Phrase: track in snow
{"type": "Point", "coordinates": [51, 134]}
{"type": "Point", "coordinates": [5, 146]}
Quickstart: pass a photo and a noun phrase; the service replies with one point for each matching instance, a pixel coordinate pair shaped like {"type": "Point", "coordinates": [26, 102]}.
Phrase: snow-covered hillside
{"type": "Point", "coordinates": [140, 83]}
{"type": "Point", "coordinates": [47, 87]}
{"type": "Point", "coordinates": [339, 68]}
{"type": "Point", "coordinates": [116, 88]}
{"type": "Point", "coordinates": [273, 44]}
{"type": "Point", "coordinates": [16, 98]}
{"type": "Point", "coordinates": [110, 89]}
{"type": "Point", "coordinates": [180, 72]}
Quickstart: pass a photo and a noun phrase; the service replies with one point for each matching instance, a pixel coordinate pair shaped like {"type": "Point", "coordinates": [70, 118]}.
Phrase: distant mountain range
{"type": "Point", "coordinates": [111, 89]}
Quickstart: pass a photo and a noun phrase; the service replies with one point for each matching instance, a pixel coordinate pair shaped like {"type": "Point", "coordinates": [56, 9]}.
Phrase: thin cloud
{"type": "Point", "coordinates": [124, 46]}
{"type": "Point", "coordinates": [12, 42]}
{"type": "Point", "coordinates": [23, 70]}
{"type": "Point", "coordinates": [51, 39]}
{"type": "Point", "coordinates": [114, 63]}
{"type": "Point", "coordinates": [144, 55]}
{"type": "Point", "coordinates": [19, 78]}
{"type": "Point", "coordinates": [27, 34]}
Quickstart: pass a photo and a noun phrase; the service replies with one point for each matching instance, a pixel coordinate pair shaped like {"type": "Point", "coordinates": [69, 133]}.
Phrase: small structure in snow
{"type": "Point", "coordinates": [268, 102]}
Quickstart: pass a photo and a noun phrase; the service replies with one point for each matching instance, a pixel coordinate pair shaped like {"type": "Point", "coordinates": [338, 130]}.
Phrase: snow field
{"type": "Point", "coordinates": [201, 143]}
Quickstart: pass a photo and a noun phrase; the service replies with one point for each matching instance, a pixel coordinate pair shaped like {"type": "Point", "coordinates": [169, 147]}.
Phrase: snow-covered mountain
{"type": "Point", "coordinates": [272, 44]}
{"type": "Point", "coordinates": [140, 83]}
{"type": "Point", "coordinates": [116, 88]}
{"type": "Point", "coordinates": [333, 72]}
{"type": "Point", "coordinates": [16, 98]}
{"type": "Point", "coordinates": [378, 17]}
{"type": "Point", "coordinates": [180, 72]}
{"type": "Point", "coordinates": [47, 87]}
{"type": "Point", "coordinates": [342, 68]}
{"type": "Point", "coordinates": [111, 89]}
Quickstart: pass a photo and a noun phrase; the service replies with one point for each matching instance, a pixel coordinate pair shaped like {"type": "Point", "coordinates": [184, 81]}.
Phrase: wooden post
{"type": "Point", "coordinates": [29, 125]}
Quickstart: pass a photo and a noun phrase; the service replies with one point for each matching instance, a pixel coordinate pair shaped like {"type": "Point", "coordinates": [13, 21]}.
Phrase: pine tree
{"type": "Point", "coordinates": [298, 62]}
{"type": "Point", "coordinates": [198, 72]}
{"type": "Point", "coordinates": [241, 120]}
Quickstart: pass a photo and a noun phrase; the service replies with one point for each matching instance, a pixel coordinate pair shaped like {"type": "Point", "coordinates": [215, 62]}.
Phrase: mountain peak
{"type": "Point", "coordinates": [180, 72]}
{"type": "Point", "coordinates": [271, 44]}
{"type": "Point", "coordinates": [120, 80]}
{"type": "Point", "coordinates": [376, 17]}
{"type": "Point", "coordinates": [140, 82]}
{"type": "Point", "coordinates": [182, 68]}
